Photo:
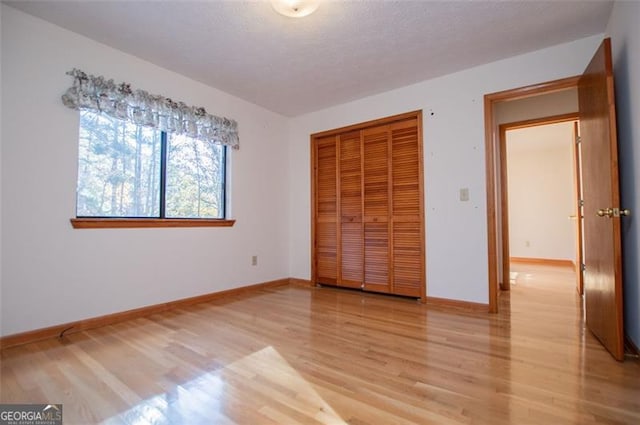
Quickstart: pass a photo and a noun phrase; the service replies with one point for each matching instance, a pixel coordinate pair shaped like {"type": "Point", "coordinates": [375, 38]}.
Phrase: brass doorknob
{"type": "Point", "coordinates": [605, 212]}
{"type": "Point", "coordinates": [612, 212]}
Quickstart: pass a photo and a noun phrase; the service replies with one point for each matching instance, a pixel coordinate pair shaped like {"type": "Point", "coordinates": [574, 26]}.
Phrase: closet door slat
{"type": "Point", "coordinates": [376, 208]}
{"type": "Point", "coordinates": [326, 248]}
{"type": "Point", "coordinates": [351, 258]}
{"type": "Point", "coordinates": [407, 262]}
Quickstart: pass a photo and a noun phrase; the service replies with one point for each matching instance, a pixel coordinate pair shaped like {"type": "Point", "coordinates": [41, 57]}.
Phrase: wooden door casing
{"type": "Point", "coordinates": [579, 216]}
{"type": "Point", "coordinates": [492, 165]}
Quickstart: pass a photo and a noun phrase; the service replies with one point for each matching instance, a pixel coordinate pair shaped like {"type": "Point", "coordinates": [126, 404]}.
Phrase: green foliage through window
{"type": "Point", "coordinates": [126, 170]}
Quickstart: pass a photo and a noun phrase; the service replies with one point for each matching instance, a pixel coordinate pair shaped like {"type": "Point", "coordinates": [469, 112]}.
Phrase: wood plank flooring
{"type": "Point", "coordinates": [294, 355]}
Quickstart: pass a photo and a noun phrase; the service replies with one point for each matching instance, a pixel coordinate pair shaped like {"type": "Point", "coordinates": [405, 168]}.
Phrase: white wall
{"type": "Point", "coordinates": [454, 158]}
{"type": "Point", "coordinates": [52, 273]}
{"type": "Point", "coordinates": [625, 38]}
{"type": "Point", "coordinates": [541, 192]}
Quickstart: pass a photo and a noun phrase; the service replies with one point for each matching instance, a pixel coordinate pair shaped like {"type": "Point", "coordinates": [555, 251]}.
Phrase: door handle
{"type": "Point", "coordinates": [613, 212]}
{"type": "Point", "coordinates": [605, 212]}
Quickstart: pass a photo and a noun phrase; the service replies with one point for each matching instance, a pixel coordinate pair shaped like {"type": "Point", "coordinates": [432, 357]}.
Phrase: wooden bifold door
{"type": "Point", "coordinates": [368, 207]}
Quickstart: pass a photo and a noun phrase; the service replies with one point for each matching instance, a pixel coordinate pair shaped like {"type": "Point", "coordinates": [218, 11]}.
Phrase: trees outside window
{"type": "Point", "coordinates": [129, 171]}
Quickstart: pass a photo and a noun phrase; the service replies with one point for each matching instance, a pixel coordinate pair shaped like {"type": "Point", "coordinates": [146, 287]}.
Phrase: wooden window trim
{"type": "Point", "coordinates": [128, 223]}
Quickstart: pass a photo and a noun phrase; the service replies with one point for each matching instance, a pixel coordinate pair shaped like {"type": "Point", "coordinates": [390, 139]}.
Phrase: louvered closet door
{"type": "Point", "coordinates": [326, 207]}
{"type": "Point", "coordinates": [368, 206]}
{"type": "Point", "coordinates": [376, 208]}
{"type": "Point", "coordinates": [350, 183]}
{"type": "Point", "coordinates": [406, 210]}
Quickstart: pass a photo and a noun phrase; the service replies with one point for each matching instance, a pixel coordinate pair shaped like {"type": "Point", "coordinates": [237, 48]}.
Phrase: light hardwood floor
{"type": "Point", "coordinates": [293, 355]}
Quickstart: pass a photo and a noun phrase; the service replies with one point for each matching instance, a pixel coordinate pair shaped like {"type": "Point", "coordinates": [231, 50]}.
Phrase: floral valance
{"type": "Point", "coordinates": [98, 94]}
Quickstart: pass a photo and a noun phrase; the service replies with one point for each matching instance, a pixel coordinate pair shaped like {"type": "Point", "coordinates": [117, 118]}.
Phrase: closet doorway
{"type": "Point", "coordinates": [367, 215]}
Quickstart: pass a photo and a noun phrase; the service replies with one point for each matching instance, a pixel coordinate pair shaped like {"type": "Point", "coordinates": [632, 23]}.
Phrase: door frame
{"type": "Point", "coordinates": [493, 169]}
{"type": "Point", "coordinates": [505, 285]}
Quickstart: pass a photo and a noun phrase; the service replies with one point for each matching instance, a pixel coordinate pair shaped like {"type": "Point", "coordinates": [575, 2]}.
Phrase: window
{"type": "Point", "coordinates": [130, 171]}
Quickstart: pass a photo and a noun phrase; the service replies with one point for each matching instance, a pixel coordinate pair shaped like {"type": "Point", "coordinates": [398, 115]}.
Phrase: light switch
{"type": "Point", "coordinates": [464, 194]}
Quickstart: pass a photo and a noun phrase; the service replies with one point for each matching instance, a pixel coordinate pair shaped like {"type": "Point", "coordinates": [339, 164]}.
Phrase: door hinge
{"type": "Point", "coordinates": [578, 140]}
{"type": "Point", "coordinates": [583, 267]}
{"type": "Point", "coordinates": [581, 201]}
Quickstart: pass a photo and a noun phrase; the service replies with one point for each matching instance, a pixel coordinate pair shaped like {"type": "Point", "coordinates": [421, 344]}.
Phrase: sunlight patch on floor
{"type": "Point", "coordinates": [217, 397]}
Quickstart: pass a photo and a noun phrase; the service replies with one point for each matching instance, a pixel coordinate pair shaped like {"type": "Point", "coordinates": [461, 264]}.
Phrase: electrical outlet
{"type": "Point", "coordinates": [254, 260]}
{"type": "Point", "coordinates": [527, 244]}
{"type": "Point", "coordinates": [464, 194]}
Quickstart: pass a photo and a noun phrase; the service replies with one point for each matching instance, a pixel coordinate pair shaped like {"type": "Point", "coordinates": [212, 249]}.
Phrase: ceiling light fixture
{"type": "Point", "coordinates": [295, 8]}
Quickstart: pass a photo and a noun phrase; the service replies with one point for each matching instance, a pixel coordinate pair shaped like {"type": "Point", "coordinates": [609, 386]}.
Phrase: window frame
{"type": "Point", "coordinates": [102, 222]}
{"type": "Point", "coordinates": [127, 223]}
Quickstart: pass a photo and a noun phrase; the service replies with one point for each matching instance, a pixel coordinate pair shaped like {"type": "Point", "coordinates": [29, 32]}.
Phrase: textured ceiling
{"type": "Point", "coordinates": [344, 51]}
